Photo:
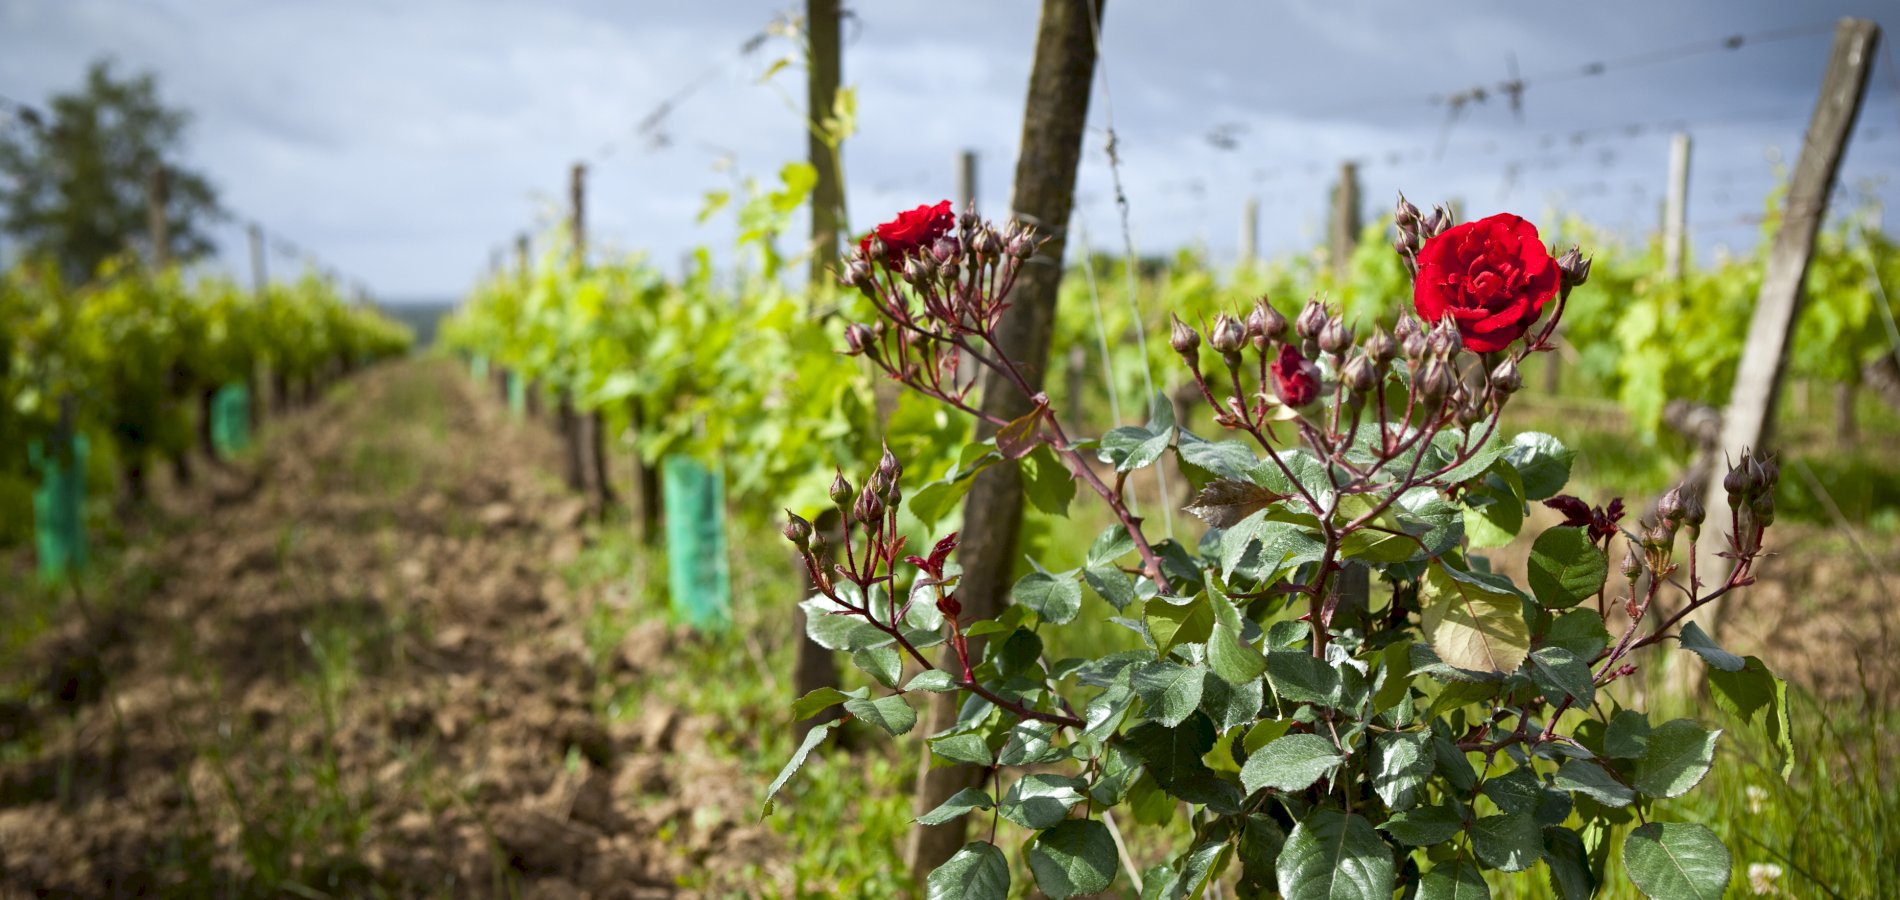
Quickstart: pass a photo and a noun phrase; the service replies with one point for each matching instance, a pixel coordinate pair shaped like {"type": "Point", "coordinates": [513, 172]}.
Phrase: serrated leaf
{"type": "Point", "coordinates": [1112, 584]}
{"type": "Point", "coordinates": [1233, 659]}
{"type": "Point", "coordinates": [1565, 568]}
{"type": "Point", "coordinates": [979, 871]}
{"type": "Point", "coordinates": [1172, 756]}
{"type": "Point", "coordinates": [813, 738]}
{"type": "Point", "coordinates": [1301, 677]}
{"type": "Point", "coordinates": [1171, 691]}
{"type": "Point", "coordinates": [1542, 461]}
{"type": "Point", "coordinates": [891, 713]}
{"type": "Point", "coordinates": [1224, 502]}
{"type": "Point", "coordinates": [959, 804]}
{"type": "Point", "coordinates": [1760, 699]}
{"type": "Point", "coordinates": [1112, 544]}
{"type": "Point", "coordinates": [935, 681]}
{"type": "Point", "coordinates": [1291, 763]}
{"type": "Point", "coordinates": [1512, 842]}
{"type": "Point", "coordinates": [1455, 880]}
{"type": "Point", "coordinates": [963, 748]}
{"type": "Point", "coordinates": [820, 700]}
{"type": "Point", "coordinates": [1016, 439]}
{"type": "Point", "coordinates": [1698, 641]}
{"type": "Point", "coordinates": [1028, 742]}
{"type": "Point", "coordinates": [1582, 633]}
{"type": "Point", "coordinates": [1040, 800]}
{"type": "Point", "coordinates": [1171, 625]}
{"type": "Point", "coordinates": [1401, 762]}
{"type": "Point", "coordinates": [1593, 781]}
{"type": "Point", "coordinates": [1283, 545]}
{"type": "Point", "coordinates": [1569, 865]}
{"type": "Point", "coordinates": [1231, 705]}
{"type": "Point", "coordinates": [1627, 736]}
{"type": "Point", "coordinates": [1335, 856]}
{"type": "Point", "coordinates": [1056, 598]}
{"type": "Point", "coordinates": [881, 663]}
{"type": "Point", "coordinates": [1047, 483]}
{"type": "Point", "coordinates": [1677, 861]}
{"type": "Point", "coordinates": [1074, 858]}
{"type": "Point", "coordinates": [1424, 826]}
{"type": "Point", "coordinates": [1680, 753]}
{"type": "Point", "coordinates": [1471, 624]}
{"type": "Point", "coordinates": [1559, 674]}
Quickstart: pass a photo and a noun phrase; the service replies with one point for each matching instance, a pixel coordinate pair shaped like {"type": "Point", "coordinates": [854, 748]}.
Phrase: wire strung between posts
{"type": "Point", "coordinates": [1101, 329]}
{"type": "Point", "coordinates": [1128, 250]}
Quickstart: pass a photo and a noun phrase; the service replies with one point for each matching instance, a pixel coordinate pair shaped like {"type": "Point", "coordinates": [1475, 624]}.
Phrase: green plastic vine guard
{"type": "Point", "coordinates": [59, 522]}
{"type": "Point", "coordinates": [695, 505]}
{"type": "Point", "coordinates": [517, 394]}
{"type": "Point", "coordinates": [231, 420]}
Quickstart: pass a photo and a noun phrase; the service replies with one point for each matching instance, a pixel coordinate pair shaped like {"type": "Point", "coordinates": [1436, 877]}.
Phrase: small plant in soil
{"type": "Point", "coordinates": [1333, 678]}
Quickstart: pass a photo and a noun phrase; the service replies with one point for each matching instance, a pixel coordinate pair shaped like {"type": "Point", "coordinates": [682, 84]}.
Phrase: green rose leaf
{"type": "Point", "coordinates": [1171, 691]}
{"type": "Point", "coordinates": [1559, 674]}
{"type": "Point", "coordinates": [959, 803]}
{"type": "Point", "coordinates": [1172, 756]}
{"type": "Point", "coordinates": [1542, 461]}
{"type": "Point", "coordinates": [1054, 597]}
{"type": "Point", "coordinates": [1457, 880]}
{"type": "Point", "coordinates": [1627, 736]}
{"type": "Point", "coordinates": [891, 713]}
{"type": "Point", "coordinates": [813, 738]}
{"type": "Point", "coordinates": [1424, 826]}
{"type": "Point", "coordinates": [1301, 677]}
{"type": "Point", "coordinates": [1039, 801]}
{"type": "Point", "coordinates": [1677, 861]}
{"type": "Point", "coordinates": [821, 699]}
{"type": "Point", "coordinates": [1565, 568]}
{"type": "Point", "coordinates": [1028, 742]}
{"type": "Point", "coordinates": [1233, 659]}
{"type": "Point", "coordinates": [1114, 585]}
{"type": "Point", "coordinates": [1291, 763]}
{"type": "Point", "coordinates": [1593, 781]}
{"type": "Point", "coordinates": [1698, 641]}
{"type": "Point", "coordinates": [965, 747]}
{"type": "Point", "coordinates": [979, 871]}
{"type": "Point", "coordinates": [1335, 856]}
{"type": "Point", "coordinates": [1473, 623]}
{"type": "Point", "coordinates": [1569, 865]}
{"type": "Point", "coordinates": [1760, 699]}
{"type": "Point", "coordinates": [935, 681]}
{"type": "Point", "coordinates": [1680, 753]}
{"type": "Point", "coordinates": [1075, 858]}
{"type": "Point", "coordinates": [1170, 625]}
{"type": "Point", "coordinates": [1401, 763]}
{"type": "Point", "coordinates": [1112, 544]}
{"type": "Point", "coordinates": [1511, 842]}
{"type": "Point", "coordinates": [881, 663]}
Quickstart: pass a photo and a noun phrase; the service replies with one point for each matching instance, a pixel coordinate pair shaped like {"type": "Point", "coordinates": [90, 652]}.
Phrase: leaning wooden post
{"type": "Point", "coordinates": [1053, 121]}
{"type": "Point", "coordinates": [1249, 233]}
{"type": "Point", "coordinates": [1751, 408]}
{"type": "Point", "coordinates": [1676, 207]}
{"type": "Point", "coordinates": [1345, 222]}
{"type": "Point", "coordinates": [813, 667]}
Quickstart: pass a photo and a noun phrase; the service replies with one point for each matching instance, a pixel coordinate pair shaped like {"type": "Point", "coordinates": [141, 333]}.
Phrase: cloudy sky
{"type": "Point", "coordinates": [403, 141]}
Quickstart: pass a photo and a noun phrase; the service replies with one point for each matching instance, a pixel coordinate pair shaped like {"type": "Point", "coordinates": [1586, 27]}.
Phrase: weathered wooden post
{"type": "Point", "coordinates": [1345, 223]}
{"type": "Point", "coordinates": [158, 226]}
{"type": "Point", "coordinates": [569, 418]}
{"type": "Point", "coordinates": [1676, 207]}
{"type": "Point", "coordinates": [1249, 233]}
{"type": "Point", "coordinates": [594, 423]}
{"type": "Point", "coordinates": [813, 666]}
{"type": "Point", "coordinates": [1053, 120]}
{"type": "Point", "coordinates": [1750, 417]}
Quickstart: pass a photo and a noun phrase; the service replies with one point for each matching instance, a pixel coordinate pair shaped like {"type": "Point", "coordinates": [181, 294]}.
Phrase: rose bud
{"type": "Point", "coordinates": [1312, 320]}
{"type": "Point", "coordinates": [1693, 513]}
{"type": "Point", "coordinates": [887, 465]}
{"type": "Point", "coordinates": [1632, 569]}
{"type": "Point", "coordinates": [1505, 378]}
{"type": "Point", "coordinates": [1436, 381]}
{"type": "Point", "coordinates": [1360, 375]}
{"type": "Point", "coordinates": [1381, 347]}
{"type": "Point", "coordinates": [1405, 327]}
{"type": "Point", "coordinates": [1405, 214]}
{"type": "Point", "coordinates": [987, 244]}
{"type": "Point", "coordinates": [1295, 378]}
{"type": "Point", "coordinates": [870, 507]}
{"type": "Point", "coordinates": [1770, 473]}
{"type": "Point", "coordinates": [1335, 337]}
{"type": "Point", "coordinates": [1444, 340]}
{"type": "Point", "coordinates": [1471, 411]}
{"type": "Point", "coordinates": [874, 245]}
{"type": "Point", "coordinates": [1265, 321]}
{"type": "Point", "coordinates": [857, 337]}
{"type": "Point", "coordinates": [1737, 483]}
{"type": "Point", "coordinates": [1574, 267]}
{"type": "Point", "coordinates": [968, 221]}
{"type": "Point", "coordinates": [918, 269]}
{"type": "Point", "coordinates": [841, 490]}
{"type": "Point", "coordinates": [797, 530]}
{"type": "Point", "coordinates": [1227, 335]}
{"type": "Point", "coordinates": [1185, 341]}
{"type": "Point", "coordinates": [1022, 246]}
{"type": "Point", "coordinates": [945, 250]}
{"type": "Point", "coordinates": [1658, 538]}
{"type": "Point", "coordinates": [1763, 506]}
{"type": "Point", "coordinates": [1669, 508]}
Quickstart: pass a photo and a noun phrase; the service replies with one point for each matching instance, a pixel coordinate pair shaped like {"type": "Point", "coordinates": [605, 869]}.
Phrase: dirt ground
{"type": "Point", "coordinates": [348, 667]}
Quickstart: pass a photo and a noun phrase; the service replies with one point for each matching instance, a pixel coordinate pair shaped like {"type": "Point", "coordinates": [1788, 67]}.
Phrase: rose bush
{"type": "Point", "coordinates": [911, 231]}
{"type": "Point", "coordinates": [1332, 740]}
{"type": "Point", "coordinates": [1492, 277]}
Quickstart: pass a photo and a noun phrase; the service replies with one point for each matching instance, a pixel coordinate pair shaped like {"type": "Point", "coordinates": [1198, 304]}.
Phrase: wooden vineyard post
{"type": "Point", "coordinates": [1345, 223]}
{"type": "Point", "coordinates": [966, 180]}
{"type": "Point", "coordinates": [157, 222]}
{"type": "Point", "coordinates": [1249, 233]}
{"type": "Point", "coordinates": [594, 423]}
{"type": "Point", "coordinates": [567, 417]}
{"type": "Point", "coordinates": [1750, 416]}
{"type": "Point", "coordinates": [260, 288]}
{"type": "Point", "coordinates": [813, 666]}
{"type": "Point", "coordinates": [1676, 207]}
{"type": "Point", "coordinates": [1053, 119]}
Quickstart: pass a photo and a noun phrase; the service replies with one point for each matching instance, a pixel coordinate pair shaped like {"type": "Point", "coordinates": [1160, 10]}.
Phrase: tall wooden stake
{"type": "Point", "coordinates": [1053, 121]}
{"type": "Point", "coordinates": [966, 180]}
{"type": "Point", "coordinates": [1345, 221]}
{"type": "Point", "coordinates": [1676, 207]}
{"type": "Point", "coordinates": [1250, 232]}
{"type": "Point", "coordinates": [813, 666]}
{"type": "Point", "coordinates": [157, 220]}
{"type": "Point", "coordinates": [1751, 409]}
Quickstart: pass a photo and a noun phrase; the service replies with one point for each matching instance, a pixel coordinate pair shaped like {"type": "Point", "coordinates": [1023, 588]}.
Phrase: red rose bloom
{"type": "Point", "coordinates": [911, 231]}
{"type": "Point", "coordinates": [1492, 277]}
{"type": "Point", "coordinates": [1295, 378]}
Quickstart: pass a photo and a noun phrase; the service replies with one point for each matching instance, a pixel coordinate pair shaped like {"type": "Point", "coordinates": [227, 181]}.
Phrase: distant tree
{"type": "Point", "coordinates": [73, 188]}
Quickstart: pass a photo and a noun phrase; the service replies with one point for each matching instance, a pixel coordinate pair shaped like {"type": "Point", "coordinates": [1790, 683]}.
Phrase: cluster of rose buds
{"type": "Point", "coordinates": [1415, 229]}
{"type": "Point", "coordinates": [939, 284]}
{"type": "Point", "coordinates": [1750, 484]}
